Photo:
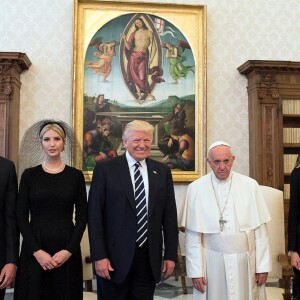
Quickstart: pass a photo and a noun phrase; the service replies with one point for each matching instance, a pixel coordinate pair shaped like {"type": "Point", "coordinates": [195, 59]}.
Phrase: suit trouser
{"type": "Point", "coordinates": [2, 294]}
{"type": "Point", "coordinates": [296, 285]}
{"type": "Point", "coordinates": [138, 285]}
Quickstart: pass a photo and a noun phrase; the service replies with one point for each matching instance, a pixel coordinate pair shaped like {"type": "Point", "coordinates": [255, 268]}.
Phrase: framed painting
{"type": "Point", "coordinates": [141, 61]}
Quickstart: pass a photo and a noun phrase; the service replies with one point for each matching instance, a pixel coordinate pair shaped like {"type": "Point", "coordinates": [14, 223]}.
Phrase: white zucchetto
{"type": "Point", "coordinates": [218, 143]}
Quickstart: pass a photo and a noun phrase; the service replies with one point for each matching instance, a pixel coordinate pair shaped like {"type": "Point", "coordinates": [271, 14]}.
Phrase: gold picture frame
{"type": "Point", "coordinates": [140, 60]}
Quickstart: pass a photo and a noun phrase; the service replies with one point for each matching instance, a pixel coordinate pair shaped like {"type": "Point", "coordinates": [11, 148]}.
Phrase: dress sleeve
{"type": "Point", "coordinates": [80, 215]}
{"type": "Point", "coordinates": [22, 211]}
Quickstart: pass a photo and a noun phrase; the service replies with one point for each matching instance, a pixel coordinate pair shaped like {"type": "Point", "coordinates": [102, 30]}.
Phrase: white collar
{"type": "Point", "coordinates": [131, 161]}
{"type": "Point", "coordinates": [219, 181]}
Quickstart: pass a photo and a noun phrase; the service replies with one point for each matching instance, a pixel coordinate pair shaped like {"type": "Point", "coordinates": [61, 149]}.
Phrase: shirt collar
{"type": "Point", "coordinates": [131, 161]}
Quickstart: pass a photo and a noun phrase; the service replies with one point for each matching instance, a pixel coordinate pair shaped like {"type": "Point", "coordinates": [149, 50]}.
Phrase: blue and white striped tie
{"type": "Point", "coordinates": [141, 206]}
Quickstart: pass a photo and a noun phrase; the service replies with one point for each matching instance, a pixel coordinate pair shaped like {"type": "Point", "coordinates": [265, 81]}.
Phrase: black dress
{"type": "Point", "coordinates": [49, 199]}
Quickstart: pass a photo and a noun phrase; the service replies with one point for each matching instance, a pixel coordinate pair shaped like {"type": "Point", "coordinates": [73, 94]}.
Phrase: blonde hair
{"type": "Point", "coordinates": [137, 125]}
{"type": "Point", "coordinates": [54, 126]}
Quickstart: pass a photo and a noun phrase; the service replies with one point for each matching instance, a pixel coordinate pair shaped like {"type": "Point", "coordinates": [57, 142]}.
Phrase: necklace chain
{"type": "Point", "coordinates": [221, 221]}
{"type": "Point", "coordinates": [53, 170]}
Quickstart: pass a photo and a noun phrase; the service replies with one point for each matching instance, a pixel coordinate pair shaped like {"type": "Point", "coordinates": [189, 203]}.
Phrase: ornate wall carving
{"type": "Point", "coordinates": [269, 82]}
{"type": "Point", "coordinates": [268, 92]}
{"type": "Point", "coordinates": [12, 64]}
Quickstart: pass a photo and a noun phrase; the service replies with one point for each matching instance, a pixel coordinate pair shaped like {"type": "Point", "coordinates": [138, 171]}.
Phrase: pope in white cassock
{"type": "Point", "coordinates": [227, 243]}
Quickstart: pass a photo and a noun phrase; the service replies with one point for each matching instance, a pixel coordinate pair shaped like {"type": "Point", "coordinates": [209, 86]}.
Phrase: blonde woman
{"type": "Point", "coordinates": [50, 265]}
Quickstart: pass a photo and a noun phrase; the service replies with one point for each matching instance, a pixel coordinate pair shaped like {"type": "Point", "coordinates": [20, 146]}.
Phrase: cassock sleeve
{"type": "Point", "coordinates": [194, 255]}
{"type": "Point", "coordinates": [263, 252]}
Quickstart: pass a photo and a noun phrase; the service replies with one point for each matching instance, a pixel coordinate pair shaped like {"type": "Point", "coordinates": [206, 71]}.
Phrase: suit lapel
{"type": "Point", "coordinates": [152, 177]}
{"type": "Point", "coordinates": [125, 179]}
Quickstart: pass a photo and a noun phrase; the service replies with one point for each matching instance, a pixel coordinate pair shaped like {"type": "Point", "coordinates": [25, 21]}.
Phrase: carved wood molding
{"type": "Point", "coordinates": [269, 119]}
{"type": "Point", "coordinates": [263, 66]}
{"type": "Point", "coordinates": [270, 83]}
{"type": "Point", "coordinates": [6, 88]}
{"type": "Point", "coordinates": [12, 64]}
{"type": "Point", "coordinates": [268, 92]}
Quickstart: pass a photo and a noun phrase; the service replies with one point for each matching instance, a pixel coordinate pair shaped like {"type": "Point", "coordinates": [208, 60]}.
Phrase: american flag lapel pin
{"type": "Point", "coordinates": [154, 172]}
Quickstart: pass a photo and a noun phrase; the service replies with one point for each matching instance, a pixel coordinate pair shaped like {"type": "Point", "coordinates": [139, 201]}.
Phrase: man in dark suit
{"type": "Point", "coordinates": [127, 266]}
{"type": "Point", "coordinates": [9, 236]}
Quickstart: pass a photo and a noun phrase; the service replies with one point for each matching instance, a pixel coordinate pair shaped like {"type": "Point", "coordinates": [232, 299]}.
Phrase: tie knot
{"type": "Point", "coordinates": [137, 165]}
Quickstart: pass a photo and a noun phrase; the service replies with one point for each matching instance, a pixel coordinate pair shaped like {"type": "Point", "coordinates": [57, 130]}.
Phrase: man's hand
{"type": "Point", "coordinates": [45, 260]}
{"type": "Point", "coordinates": [103, 267]}
{"type": "Point", "coordinates": [295, 260]}
{"type": "Point", "coordinates": [199, 284]}
{"type": "Point", "coordinates": [8, 273]}
{"type": "Point", "coordinates": [168, 268]}
{"type": "Point", "coordinates": [261, 278]}
{"type": "Point", "coordinates": [61, 257]}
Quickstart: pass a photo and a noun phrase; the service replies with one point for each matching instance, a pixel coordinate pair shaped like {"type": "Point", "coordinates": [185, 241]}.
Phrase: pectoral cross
{"type": "Point", "coordinates": [222, 222]}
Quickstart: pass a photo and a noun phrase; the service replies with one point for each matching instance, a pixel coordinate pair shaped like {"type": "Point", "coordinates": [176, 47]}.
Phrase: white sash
{"type": "Point", "coordinates": [229, 244]}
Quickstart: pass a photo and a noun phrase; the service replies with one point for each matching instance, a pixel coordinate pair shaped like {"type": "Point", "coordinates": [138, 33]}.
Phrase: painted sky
{"type": "Point", "coordinates": [115, 88]}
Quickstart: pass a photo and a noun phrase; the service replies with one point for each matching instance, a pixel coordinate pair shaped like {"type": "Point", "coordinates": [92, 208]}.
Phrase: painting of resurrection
{"type": "Point", "coordinates": [141, 66]}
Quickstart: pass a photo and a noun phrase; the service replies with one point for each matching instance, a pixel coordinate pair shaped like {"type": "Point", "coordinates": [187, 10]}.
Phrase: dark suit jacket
{"type": "Point", "coordinates": [112, 217]}
{"type": "Point", "coordinates": [294, 212]}
{"type": "Point", "coordinates": [9, 235]}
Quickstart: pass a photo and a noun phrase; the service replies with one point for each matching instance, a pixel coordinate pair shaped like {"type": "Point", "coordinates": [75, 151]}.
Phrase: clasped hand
{"type": "Point", "coordinates": [48, 262]}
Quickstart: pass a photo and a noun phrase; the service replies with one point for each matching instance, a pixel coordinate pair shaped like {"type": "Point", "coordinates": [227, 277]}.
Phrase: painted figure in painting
{"type": "Point", "coordinates": [140, 51]}
{"type": "Point", "coordinates": [176, 59]}
{"type": "Point", "coordinates": [97, 146]}
{"type": "Point", "coordinates": [152, 52]}
{"type": "Point", "coordinates": [106, 52]}
{"type": "Point", "coordinates": [176, 120]}
{"type": "Point", "coordinates": [101, 105]}
{"type": "Point", "coordinates": [184, 157]}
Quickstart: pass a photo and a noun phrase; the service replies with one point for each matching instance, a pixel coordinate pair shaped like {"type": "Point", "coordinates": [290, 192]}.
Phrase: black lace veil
{"type": "Point", "coordinates": [31, 152]}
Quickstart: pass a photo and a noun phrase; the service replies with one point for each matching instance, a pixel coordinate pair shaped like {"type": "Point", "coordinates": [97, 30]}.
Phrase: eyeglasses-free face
{"type": "Point", "coordinates": [221, 161]}
{"type": "Point", "coordinates": [138, 144]}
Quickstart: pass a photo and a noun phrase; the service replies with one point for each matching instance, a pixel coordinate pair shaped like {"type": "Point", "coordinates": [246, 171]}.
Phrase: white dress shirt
{"type": "Point", "coordinates": [143, 169]}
